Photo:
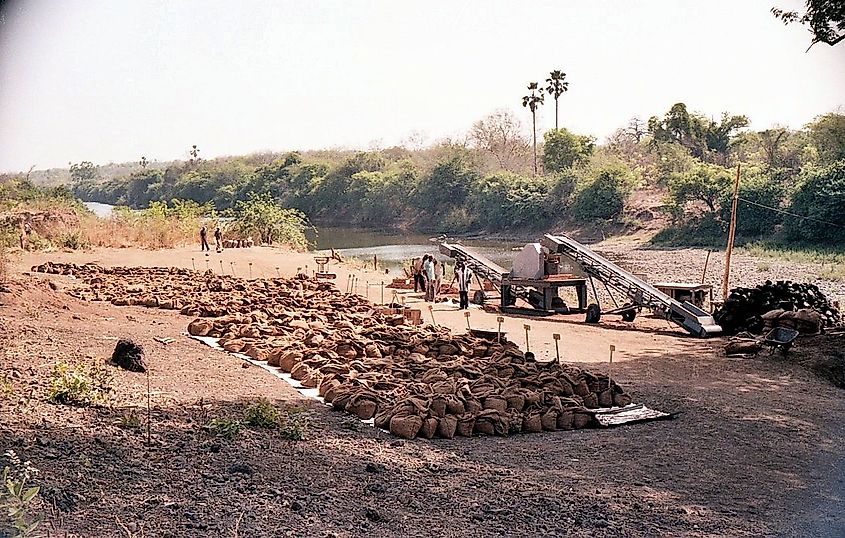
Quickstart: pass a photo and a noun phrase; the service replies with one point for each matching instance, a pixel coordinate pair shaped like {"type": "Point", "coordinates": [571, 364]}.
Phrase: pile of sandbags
{"type": "Point", "coordinates": [415, 381]}
{"type": "Point", "coordinates": [805, 321]}
{"type": "Point", "coordinates": [745, 307]}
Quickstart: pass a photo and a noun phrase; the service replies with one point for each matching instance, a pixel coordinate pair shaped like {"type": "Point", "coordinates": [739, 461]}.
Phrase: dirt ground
{"type": "Point", "coordinates": [756, 450]}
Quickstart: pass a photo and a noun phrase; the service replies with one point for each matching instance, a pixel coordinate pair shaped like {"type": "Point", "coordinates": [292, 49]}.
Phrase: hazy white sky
{"type": "Point", "coordinates": [109, 81]}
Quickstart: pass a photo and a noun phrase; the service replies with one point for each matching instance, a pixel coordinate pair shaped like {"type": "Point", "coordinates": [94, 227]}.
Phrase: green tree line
{"type": "Point", "coordinates": [486, 182]}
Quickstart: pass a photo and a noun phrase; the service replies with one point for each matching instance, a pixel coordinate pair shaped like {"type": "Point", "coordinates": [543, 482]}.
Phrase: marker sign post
{"type": "Point", "coordinates": [610, 365]}
{"type": "Point", "coordinates": [527, 328]}
{"type": "Point", "coordinates": [466, 315]}
{"type": "Point", "coordinates": [557, 349]}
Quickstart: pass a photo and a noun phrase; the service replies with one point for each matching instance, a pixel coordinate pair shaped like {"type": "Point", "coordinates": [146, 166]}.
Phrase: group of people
{"type": "Point", "coordinates": [428, 277]}
{"type": "Point", "coordinates": [218, 239]}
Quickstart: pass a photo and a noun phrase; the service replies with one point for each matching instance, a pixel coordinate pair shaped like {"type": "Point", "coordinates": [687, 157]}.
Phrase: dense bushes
{"type": "Point", "coordinates": [820, 195]}
{"type": "Point", "coordinates": [602, 195]}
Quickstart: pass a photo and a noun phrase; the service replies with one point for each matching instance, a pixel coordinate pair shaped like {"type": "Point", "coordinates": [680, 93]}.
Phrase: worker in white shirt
{"type": "Point", "coordinates": [464, 277]}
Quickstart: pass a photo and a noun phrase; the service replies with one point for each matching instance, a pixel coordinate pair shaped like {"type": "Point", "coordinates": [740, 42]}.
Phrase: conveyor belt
{"type": "Point", "coordinates": [687, 315]}
{"type": "Point", "coordinates": [478, 264]}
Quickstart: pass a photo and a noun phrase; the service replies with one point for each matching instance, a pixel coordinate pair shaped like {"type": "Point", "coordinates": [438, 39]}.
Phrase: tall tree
{"type": "Point", "coordinates": [500, 134]}
{"type": "Point", "coordinates": [556, 86]}
{"type": "Point", "coordinates": [826, 19]}
{"type": "Point", "coordinates": [532, 101]}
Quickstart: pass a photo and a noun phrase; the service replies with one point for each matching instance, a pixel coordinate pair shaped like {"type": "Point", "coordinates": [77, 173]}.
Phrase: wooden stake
{"type": "Point", "coordinates": [149, 408]}
{"type": "Point", "coordinates": [527, 328]}
{"type": "Point", "coordinates": [466, 315]}
{"type": "Point", "coordinates": [250, 269]}
{"type": "Point", "coordinates": [557, 349]}
{"type": "Point", "coordinates": [221, 267]}
{"type": "Point", "coordinates": [278, 275]}
{"type": "Point", "coordinates": [193, 264]}
{"type": "Point", "coordinates": [232, 265]}
{"type": "Point", "coordinates": [499, 320]}
{"type": "Point", "coordinates": [431, 311]}
{"type": "Point", "coordinates": [610, 365]}
{"type": "Point", "coordinates": [382, 292]}
{"type": "Point", "coordinates": [731, 236]}
{"type": "Point", "coordinates": [706, 262]}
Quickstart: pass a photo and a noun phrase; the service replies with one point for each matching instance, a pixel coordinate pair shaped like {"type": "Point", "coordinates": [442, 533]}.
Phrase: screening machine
{"type": "Point", "coordinates": [641, 294]}
{"type": "Point", "coordinates": [557, 261]}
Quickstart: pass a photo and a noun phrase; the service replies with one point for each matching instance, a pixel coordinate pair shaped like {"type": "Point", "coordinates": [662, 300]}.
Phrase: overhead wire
{"type": "Point", "coordinates": [803, 217]}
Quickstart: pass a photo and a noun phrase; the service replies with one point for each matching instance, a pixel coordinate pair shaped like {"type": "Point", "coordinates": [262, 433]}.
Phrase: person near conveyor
{"type": "Point", "coordinates": [428, 273]}
{"type": "Point", "coordinates": [464, 276]}
{"type": "Point", "coordinates": [438, 278]}
{"type": "Point", "coordinates": [218, 239]}
{"type": "Point", "coordinates": [417, 273]}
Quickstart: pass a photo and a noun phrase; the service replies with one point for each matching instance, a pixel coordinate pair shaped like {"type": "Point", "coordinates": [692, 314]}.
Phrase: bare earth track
{"type": "Point", "coordinates": [756, 451]}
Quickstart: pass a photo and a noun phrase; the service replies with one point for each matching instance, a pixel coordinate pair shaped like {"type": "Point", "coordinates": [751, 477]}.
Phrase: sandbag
{"type": "Point", "coordinates": [362, 405]}
{"type": "Point", "coordinates": [581, 420]}
{"type": "Point", "coordinates": [428, 428]}
{"type": "Point", "coordinates": [466, 423]}
{"type": "Point", "coordinates": [564, 420]}
{"type": "Point", "coordinates": [405, 427]}
{"type": "Point", "coordinates": [446, 426]}
{"type": "Point", "coordinates": [548, 420]}
{"type": "Point", "coordinates": [532, 423]}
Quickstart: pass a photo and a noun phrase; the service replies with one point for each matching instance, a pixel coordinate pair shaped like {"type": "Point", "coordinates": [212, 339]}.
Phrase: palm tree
{"type": "Point", "coordinates": [532, 101]}
{"type": "Point", "coordinates": [557, 85]}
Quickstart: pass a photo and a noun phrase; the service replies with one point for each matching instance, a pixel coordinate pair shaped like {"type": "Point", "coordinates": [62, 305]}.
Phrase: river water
{"type": "Point", "coordinates": [394, 249]}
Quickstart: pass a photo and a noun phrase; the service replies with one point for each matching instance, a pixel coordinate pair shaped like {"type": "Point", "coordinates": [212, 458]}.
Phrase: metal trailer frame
{"type": "Point", "coordinates": [695, 320]}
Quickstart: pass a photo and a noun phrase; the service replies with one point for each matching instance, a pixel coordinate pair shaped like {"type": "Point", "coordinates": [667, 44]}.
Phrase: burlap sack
{"type": "Point", "coordinates": [531, 422]}
{"type": "Point", "coordinates": [496, 403]}
{"type": "Point", "coordinates": [454, 405]}
{"type": "Point", "coordinates": [312, 380]}
{"type": "Point", "coordinates": [300, 371]}
{"type": "Point", "coordinates": [234, 345]}
{"type": "Point", "coordinates": [438, 406]}
{"type": "Point", "coordinates": [581, 420]}
{"type": "Point", "coordinates": [447, 426]}
{"type": "Point", "coordinates": [466, 423]}
{"type": "Point", "coordinates": [564, 420]}
{"type": "Point", "coordinates": [341, 397]}
{"type": "Point", "coordinates": [581, 388]}
{"type": "Point", "coordinates": [199, 327]}
{"type": "Point", "coordinates": [621, 399]}
{"type": "Point", "coordinates": [548, 420]}
{"type": "Point", "coordinates": [532, 398]}
{"type": "Point", "coordinates": [382, 418]}
{"type": "Point", "coordinates": [591, 401]}
{"type": "Point", "coordinates": [428, 428]}
{"type": "Point", "coordinates": [515, 400]}
{"type": "Point", "coordinates": [363, 405]}
{"type": "Point", "coordinates": [514, 421]}
{"type": "Point", "coordinates": [289, 360]}
{"type": "Point", "coordinates": [772, 314]}
{"type": "Point", "coordinates": [405, 427]}
{"type": "Point", "coordinates": [473, 406]}
{"type": "Point", "coordinates": [605, 398]}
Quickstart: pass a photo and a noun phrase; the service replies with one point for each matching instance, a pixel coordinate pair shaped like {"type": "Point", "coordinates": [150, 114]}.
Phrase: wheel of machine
{"type": "Point", "coordinates": [593, 313]}
{"type": "Point", "coordinates": [478, 297]}
{"type": "Point", "coordinates": [629, 315]}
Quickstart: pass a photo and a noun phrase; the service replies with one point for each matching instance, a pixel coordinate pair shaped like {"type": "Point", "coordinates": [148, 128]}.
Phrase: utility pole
{"type": "Point", "coordinates": [731, 235]}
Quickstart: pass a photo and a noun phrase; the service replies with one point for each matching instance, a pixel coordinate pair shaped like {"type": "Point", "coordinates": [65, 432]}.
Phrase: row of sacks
{"type": "Point", "coordinates": [361, 363]}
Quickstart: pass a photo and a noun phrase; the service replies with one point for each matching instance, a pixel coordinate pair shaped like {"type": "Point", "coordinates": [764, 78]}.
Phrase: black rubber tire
{"type": "Point", "coordinates": [479, 297]}
{"type": "Point", "coordinates": [593, 313]}
{"type": "Point", "coordinates": [629, 315]}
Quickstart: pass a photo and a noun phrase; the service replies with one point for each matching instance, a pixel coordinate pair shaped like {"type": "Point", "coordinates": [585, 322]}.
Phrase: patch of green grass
{"type": "Point", "coordinates": [261, 414]}
{"type": "Point", "coordinates": [130, 420]}
{"type": "Point", "coordinates": [225, 428]}
{"type": "Point", "coordinates": [78, 384]}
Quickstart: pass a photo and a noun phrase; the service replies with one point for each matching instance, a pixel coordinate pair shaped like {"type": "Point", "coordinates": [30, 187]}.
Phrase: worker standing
{"type": "Point", "coordinates": [218, 239]}
{"type": "Point", "coordinates": [428, 272]}
{"type": "Point", "coordinates": [204, 239]}
{"type": "Point", "coordinates": [417, 273]}
{"type": "Point", "coordinates": [464, 277]}
{"type": "Point", "coordinates": [438, 278]}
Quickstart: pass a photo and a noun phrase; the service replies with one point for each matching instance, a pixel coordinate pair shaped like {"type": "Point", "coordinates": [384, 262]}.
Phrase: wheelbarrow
{"type": "Point", "coordinates": [780, 338]}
